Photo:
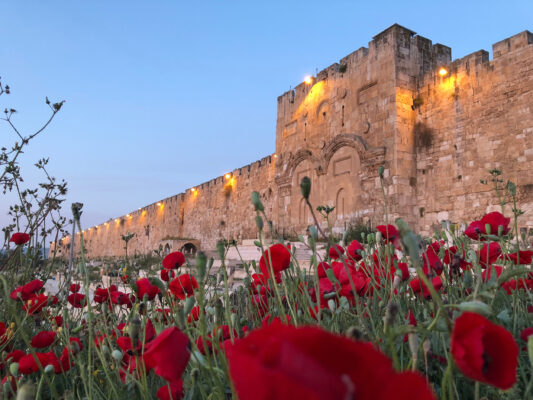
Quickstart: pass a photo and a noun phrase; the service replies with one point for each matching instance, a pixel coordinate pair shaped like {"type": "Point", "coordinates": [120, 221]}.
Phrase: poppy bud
{"type": "Point", "coordinates": [487, 229]}
{"type": "Point", "coordinates": [14, 369]}
{"type": "Point", "coordinates": [378, 237]}
{"type": "Point", "coordinates": [305, 187]}
{"type": "Point", "coordinates": [49, 369]}
{"type": "Point", "coordinates": [117, 355]}
{"type": "Point", "coordinates": [233, 319]}
{"type": "Point", "coordinates": [210, 310]}
{"type": "Point", "coordinates": [332, 305]}
{"type": "Point", "coordinates": [104, 349]}
{"type": "Point", "coordinates": [381, 171]}
{"type": "Point", "coordinates": [256, 201]}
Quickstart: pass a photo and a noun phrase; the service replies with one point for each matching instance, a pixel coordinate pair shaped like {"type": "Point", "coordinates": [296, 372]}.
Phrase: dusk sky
{"type": "Point", "coordinates": [164, 95]}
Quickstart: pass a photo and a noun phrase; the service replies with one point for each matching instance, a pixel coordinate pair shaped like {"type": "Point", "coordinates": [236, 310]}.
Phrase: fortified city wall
{"type": "Point", "coordinates": [385, 105]}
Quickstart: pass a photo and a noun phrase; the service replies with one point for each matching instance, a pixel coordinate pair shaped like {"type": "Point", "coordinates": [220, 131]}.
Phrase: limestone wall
{"type": "Point", "coordinates": [383, 105]}
{"type": "Point", "coordinates": [479, 117]}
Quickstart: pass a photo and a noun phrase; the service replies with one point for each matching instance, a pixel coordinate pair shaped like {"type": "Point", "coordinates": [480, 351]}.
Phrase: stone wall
{"type": "Point", "coordinates": [479, 117]}
{"type": "Point", "coordinates": [383, 105]}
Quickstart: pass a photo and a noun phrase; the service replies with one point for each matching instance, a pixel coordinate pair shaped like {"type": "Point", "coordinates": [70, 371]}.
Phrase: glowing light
{"type": "Point", "coordinates": [275, 156]}
{"type": "Point", "coordinates": [117, 220]}
{"type": "Point", "coordinates": [308, 80]}
{"type": "Point", "coordinates": [193, 190]}
{"type": "Point", "coordinates": [159, 204]}
{"type": "Point", "coordinates": [143, 213]}
{"type": "Point", "coordinates": [129, 216]}
{"type": "Point", "coordinates": [443, 71]}
{"type": "Point", "coordinates": [227, 176]}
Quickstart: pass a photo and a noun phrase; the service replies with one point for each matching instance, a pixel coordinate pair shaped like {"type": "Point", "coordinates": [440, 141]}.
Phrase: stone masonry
{"type": "Point", "coordinates": [386, 105]}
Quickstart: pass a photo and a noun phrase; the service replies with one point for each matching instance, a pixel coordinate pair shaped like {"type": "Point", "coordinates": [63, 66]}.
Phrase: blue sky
{"type": "Point", "coordinates": [164, 95]}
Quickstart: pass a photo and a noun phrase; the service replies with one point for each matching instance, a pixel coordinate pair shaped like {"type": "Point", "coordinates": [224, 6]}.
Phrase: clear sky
{"type": "Point", "coordinates": [164, 95]}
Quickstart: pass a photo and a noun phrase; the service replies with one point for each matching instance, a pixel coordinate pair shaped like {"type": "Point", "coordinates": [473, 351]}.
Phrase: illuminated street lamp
{"type": "Point", "coordinates": [308, 80]}
{"type": "Point", "coordinates": [443, 71]}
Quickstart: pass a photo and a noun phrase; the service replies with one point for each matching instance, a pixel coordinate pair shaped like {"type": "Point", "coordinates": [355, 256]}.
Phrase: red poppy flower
{"type": "Point", "coordinates": [280, 257]}
{"type": "Point", "coordinates": [28, 365]}
{"type": "Point", "coordinates": [218, 336]}
{"type": "Point", "coordinates": [475, 230]}
{"type": "Point", "coordinates": [122, 299]}
{"type": "Point", "coordinates": [354, 250]}
{"type": "Point", "coordinates": [76, 300]}
{"type": "Point", "coordinates": [144, 287]}
{"type": "Point", "coordinates": [419, 287]}
{"type": "Point", "coordinates": [36, 303]}
{"type": "Point", "coordinates": [172, 391]}
{"type": "Point", "coordinates": [101, 295]}
{"type": "Point", "coordinates": [489, 253]}
{"type": "Point", "coordinates": [484, 351]}
{"type": "Point", "coordinates": [404, 271]}
{"type": "Point", "coordinates": [389, 232]}
{"type": "Point", "coordinates": [167, 274]}
{"type": "Point", "coordinates": [524, 257]}
{"type": "Point", "coordinates": [284, 362]}
{"type": "Point", "coordinates": [322, 268]}
{"type": "Point", "coordinates": [183, 286]}
{"type": "Point", "coordinates": [14, 356]}
{"type": "Point", "coordinates": [194, 315]}
{"type": "Point", "coordinates": [335, 251]}
{"type": "Point", "coordinates": [432, 262]}
{"type": "Point", "coordinates": [27, 291]}
{"type": "Point", "coordinates": [174, 260]}
{"type": "Point", "coordinates": [20, 238]}
{"type": "Point", "coordinates": [168, 354]}
{"type": "Point", "coordinates": [495, 220]}
{"type": "Point", "coordinates": [260, 304]}
{"type": "Point", "coordinates": [513, 284]}
{"type": "Point", "coordinates": [43, 339]}
{"type": "Point", "coordinates": [75, 287]}
{"type": "Point", "coordinates": [486, 273]}
{"type": "Point", "coordinates": [526, 333]}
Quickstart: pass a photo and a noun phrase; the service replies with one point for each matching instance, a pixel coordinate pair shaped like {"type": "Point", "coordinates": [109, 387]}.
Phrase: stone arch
{"type": "Point", "coordinates": [345, 140]}
{"type": "Point", "coordinates": [166, 249]}
{"type": "Point", "coordinates": [300, 156]}
{"type": "Point", "coordinates": [189, 249]}
{"type": "Point", "coordinates": [342, 183]}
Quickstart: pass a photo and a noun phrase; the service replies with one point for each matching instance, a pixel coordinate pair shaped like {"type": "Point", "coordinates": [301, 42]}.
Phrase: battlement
{"type": "Point", "coordinates": [512, 43]}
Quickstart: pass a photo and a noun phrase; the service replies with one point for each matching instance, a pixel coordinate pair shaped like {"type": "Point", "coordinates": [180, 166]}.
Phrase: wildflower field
{"type": "Point", "coordinates": [389, 315]}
